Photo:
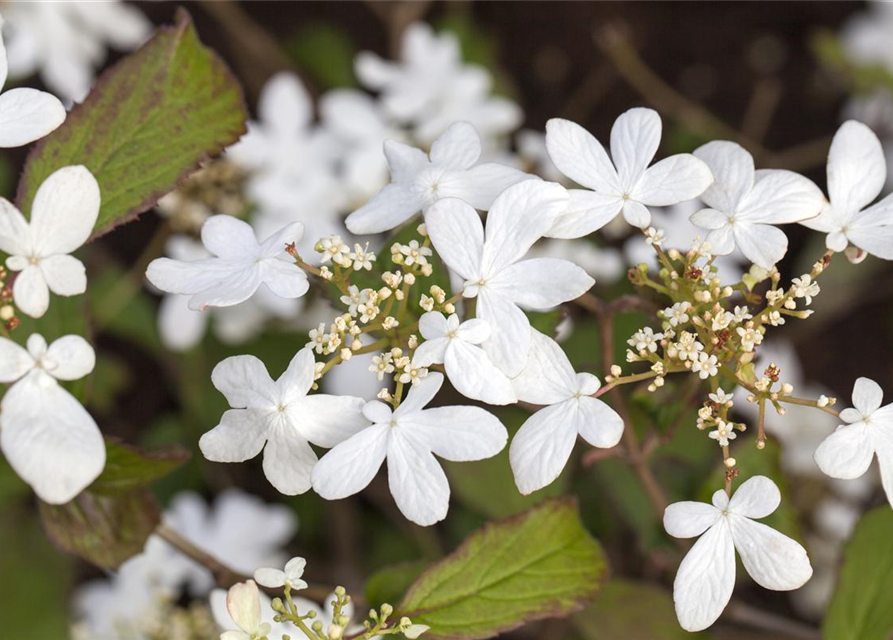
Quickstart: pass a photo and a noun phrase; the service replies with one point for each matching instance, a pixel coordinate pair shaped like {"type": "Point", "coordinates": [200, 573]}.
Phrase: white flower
{"type": "Point", "coordinates": [409, 438]}
{"type": "Point", "coordinates": [678, 313]}
{"type": "Point", "coordinates": [857, 171]}
{"type": "Point", "coordinates": [457, 347]}
{"type": "Point", "coordinates": [706, 577]}
{"type": "Point", "coordinates": [705, 366]}
{"type": "Point", "coordinates": [244, 607]}
{"type": "Point", "coordinates": [804, 287]}
{"type": "Point", "coordinates": [415, 254]}
{"type": "Point", "coordinates": [25, 114]}
{"type": "Point", "coordinates": [65, 41]}
{"type": "Point", "coordinates": [724, 432]}
{"type": "Point", "coordinates": [63, 213]}
{"type": "Point", "coordinates": [279, 415]}
{"type": "Point", "coordinates": [431, 87]}
{"type": "Point", "coordinates": [46, 435]}
{"type": "Point", "coordinates": [847, 452]}
{"type": "Point", "coordinates": [688, 346]}
{"type": "Point", "coordinates": [750, 337]}
{"type": "Point", "coordinates": [541, 448]}
{"type": "Point", "coordinates": [239, 267]}
{"type": "Point", "coordinates": [742, 314]}
{"type": "Point", "coordinates": [627, 184]}
{"type": "Point", "coordinates": [721, 397]}
{"type": "Point", "coordinates": [451, 170]}
{"type": "Point", "coordinates": [277, 578]}
{"type": "Point", "coordinates": [744, 204]}
{"type": "Point", "coordinates": [491, 265]}
{"type": "Point", "coordinates": [645, 340]}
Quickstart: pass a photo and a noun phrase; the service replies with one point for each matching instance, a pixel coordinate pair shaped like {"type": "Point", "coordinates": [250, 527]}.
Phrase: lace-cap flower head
{"type": "Point", "coordinates": [408, 438]}
{"type": "Point", "coordinates": [706, 577]}
{"type": "Point", "coordinates": [45, 433]}
{"type": "Point", "coordinates": [624, 182]}
{"type": "Point", "coordinates": [857, 171]}
{"type": "Point", "coordinates": [63, 214]}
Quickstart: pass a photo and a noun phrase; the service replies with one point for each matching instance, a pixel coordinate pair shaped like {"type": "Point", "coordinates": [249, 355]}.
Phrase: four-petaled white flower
{"type": "Point", "coordinates": [492, 268]}
{"type": "Point", "coordinates": [244, 607]}
{"type": "Point", "coordinates": [409, 438]}
{"type": "Point", "coordinates": [744, 204]}
{"type": "Point", "coordinates": [721, 397]}
{"type": "Point", "coordinates": [724, 432]}
{"type": "Point", "coordinates": [541, 448]}
{"type": "Point", "coordinates": [857, 171]}
{"type": "Point", "coordinates": [418, 181]}
{"type": "Point", "coordinates": [627, 184]}
{"type": "Point", "coordinates": [706, 577]}
{"type": "Point", "coordinates": [240, 267]}
{"type": "Point", "coordinates": [63, 213]}
{"type": "Point", "coordinates": [291, 577]}
{"type": "Point", "coordinates": [45, 433]}
{"type": "Point", "coordinates": [847, 452]}
{"type": "Point", "coordinates": [25, 114]}
{"type": "Point", "coordinates": [279, 415]}
{"type": "Point", "coordinates": [467, 365]}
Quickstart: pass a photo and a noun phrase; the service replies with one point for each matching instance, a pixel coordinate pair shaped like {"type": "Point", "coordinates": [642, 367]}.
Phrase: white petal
{"type": "Point", "coordinates": [430, 352]}
{"type": "Point", "coordinates": [15, 235]}
{"type": "Point", "coordinates": [482, 184]}
{"type": "Point", "coordinates": [548, 376]}
{"type": "Point", "coordinates": [457, 433]}
{"type": "Point", "coordinates": [328, 420]}
{"type": "Point", "coordinates": [756, 498]}
{"type": "Point", "coordinates": [28, 114]}
{"type": "Point", "coordinates": [882, 439]}
{"type": "Point", "coordinates": [350, 466]}
{"type": "Point", "coordinates": [507, 347]}
{"type": "Point", "coordinates": [64, 275]}
{"type": "Point", "coordinates": [772, 559]}
{"type": "Point", "coordinates": [457, 234]}
{"type": "Point", "coordinates": [30, 292]}
{"type": "Point", "coordinates": [270, 578]}
{"type": "Point", "coordinates": [780, 197]}
{"type": "Point", "coordinates": [295, 383]}
{"type": "Point", "coordinates": [70, 358]}
{"type": "Point", "coordinates": [245, 383]}
{"type": "Point", "coordinates": [541, 283]}
{"type": "Point", "coordinates": [229, 238]}
{"type": "Point", "coordinates": [635, 137]}
{"type": "Point", "coordinates": [709, 219]}
{"type": "Point", "coordinates": [288, 460]}
{"type": "Point", "coordinates": [636, 213]}
{"type": "Point", "coordinates": [587, 212]}
{"type": "Point", "coordinates": [474, 376]}
{"type": "Point", "coordinates": [389, 208]}
{"type": "Point", "coordinates": [433, 325]}
{"type": "Point", "coordinates": [284, 105]}
{"type": "Point", "coordinates": [581, 157]}
{"type": "Point", "coordinates": [235, 289]}
{"type": "Point", "coordinates": [284, 279]}
{"type": "Point", "coordinates": [673, 180]}
{"type": "Point", "coordinates": [294, 568]}
{"type": "Point", "coordinates": [474, 331]}
{"type": "Point", "coordinates": [846, 453]}
{"type": "Point", "coordinates": [867, 396]}
{"type": "Point", "coordinates": [874, 239]}
{"type": "Point", "coordinates": [243, 605]}
{"type": "Point", "coordinates": [458, 148]}
{"type": "Point", "coordinates": [420, 394]}
{"type": "Point", "coordinates": [404, 161]}
{"type": "Point", "coordinates": [65, 209]}
{"type": "Point", "coordinates": [275, 245]}
{"type": "Point", "coordinates": [597, 423]}
{"type": "Point", "coordinates": [416, 480]}
{"type": "Point", "coordinates": [733, 172]}
{"type": "Point", "coordinates": [240, 436]}
{"type": "Point", "coordinates": [762, 244]}
{"type": "Point", "coordinates": [49, 439]}
{"type": "Point", "coordinates": [542, 446]}
{"type": "Point", "coordinates": [690, 519]}
{"type": "Point", "coordinates": [722, 240]}
{"type": "Point", "coordinates": [857, 169]}
{"type": "Point", "coordinates": [521, 215]}
{"type": "Point", "coordinates": [14, 361]}
{"type": "Point", "coordinates": [706, 579]}
{"type": "Point", "coordinates": [189, 278]}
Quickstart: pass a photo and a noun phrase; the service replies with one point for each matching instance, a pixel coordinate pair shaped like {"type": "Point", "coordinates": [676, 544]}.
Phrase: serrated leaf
{"type": "Point", "coordinates": [617, 612]}
{"type": "Point", "coordinates": [860, 609]}
{"type": "Point", "coordinates": [127, 467]}
{"type": "Point", "coordinates": [539, 564]}
{"type": "Point", "coordinates": [149, 121]}
{"type": "Point", "coordinates": [105, 530]}
{"type": "Point", "coordinates": [391, 583]}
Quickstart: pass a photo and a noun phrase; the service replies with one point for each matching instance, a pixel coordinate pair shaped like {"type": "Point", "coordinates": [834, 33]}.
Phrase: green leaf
{"type": "Point", "coordinates": [103, 529]}
{"type": "Point", "coordinates": [149, 121]}
{"type": "Point", "coordinates": [860, 609]}
{"type": "Point", "coordinates": [618, 611]}
{"type": "Point", "coordinates": [391, 583]}
{"type": "Point", "coordinates": [539, 564]}
{"type": "Point", "coordinates": [128, 468]}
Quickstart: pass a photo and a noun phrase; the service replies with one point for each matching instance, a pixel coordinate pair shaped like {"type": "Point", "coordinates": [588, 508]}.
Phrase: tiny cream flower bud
{"type": "Point", "coordinates": [409, 279]}
{"type": "Point", "coordinates": [787, 388]}
{"type": "Point", "coordinates": [413, 341]}
{"type": "Point", "coordinates": [346, 354]}
{"type": "Point", "coordinates": [7, 313]}
{"type": "Point", "coordinates": [730, 462]}
{"type": "Point", "coordinates": [385, 395]}
{"type": "Point", "coordinates": [356, 345]}
{"type": "Point", "coordinates": [423, 230]}
{"type": "Point", "coordinates": [427, 269]}
{"type": "Point", "coordinates": [449, 308]}
{"type": "Point", "coordinates": [822, 401]}
{"type": "Point", "coordinates": [616, 370]}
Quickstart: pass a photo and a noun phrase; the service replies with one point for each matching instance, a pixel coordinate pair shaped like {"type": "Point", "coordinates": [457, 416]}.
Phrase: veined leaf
{"type": "Point", "coordinates": [127, 468]}
{"type": "Point", "coordinates": [149, 121]}
{"type": "Point", "coordinates": [539, 564]}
